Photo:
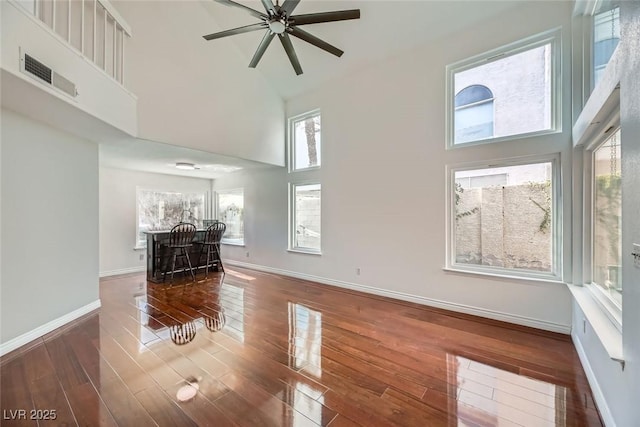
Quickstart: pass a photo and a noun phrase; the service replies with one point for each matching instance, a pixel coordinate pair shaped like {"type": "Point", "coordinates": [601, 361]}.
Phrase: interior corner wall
{"type": "Point", "coordinates": [49, 221]}
{"type": "Point", "coordinates": [118, 214]}
{"type": "Point", "coordinates": [383, 181]}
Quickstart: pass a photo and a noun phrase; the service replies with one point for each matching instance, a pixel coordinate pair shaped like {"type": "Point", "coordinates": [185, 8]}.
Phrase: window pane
{"type": "Point", "coordinates": [307, 216]}
{"type": "Point", "coordinates": [474, 122]}
{"type": "Point", "coordinates": [503, 217]}
{"type": "Point", "coordinates": [607, 218]}
{"type": "Point", "coordinates": [161, 210]}
{"type": "Point", "coordinates": [606, 36]}
{"type": "Point", "coordinates": [231, 212]}
{"type": "Point", "coordinates": [306, 142]}
{"type": "Point", "coordinates": [521, 88]}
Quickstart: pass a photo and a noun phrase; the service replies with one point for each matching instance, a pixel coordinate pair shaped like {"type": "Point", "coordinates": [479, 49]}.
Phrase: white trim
{"type": "Point", "coordinates": [556, 207]}
{"type": "Point", "coordinates": [552, 37]}
{"type": "Point", "coordinates": [603, 326]}
{"type": "Point", "coordinates": [460, 308]}
{"type": "Point", "coordinates": [137, 269]}
{"type": "Point", "coordinates": [292, 218]}
{"type": "Point", "coordinates": [598, 395]}
{"type": "Point", "coordinates": [291, 149]}
{"type": "Point", "coordinates": [36, 333]}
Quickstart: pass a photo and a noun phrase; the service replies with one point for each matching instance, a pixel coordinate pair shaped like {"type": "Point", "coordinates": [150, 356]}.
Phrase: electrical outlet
{"type": "Point", "coordinates": [584, 326]}
{"type": "Point", "coordinates": [358, 271]}
{"type": "Point", "coordinates": [141, 257]}
{"type": "Point", "coordinates": [247, 254]}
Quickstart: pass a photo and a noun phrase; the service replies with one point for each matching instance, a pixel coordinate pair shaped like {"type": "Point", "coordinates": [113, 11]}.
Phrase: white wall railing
{"type": "Point", "coordinates": [93, 27]}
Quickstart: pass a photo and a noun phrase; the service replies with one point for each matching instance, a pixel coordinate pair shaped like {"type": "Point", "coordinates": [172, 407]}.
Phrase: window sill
{"type": "Point", "coordinates": [505, 276]}
{"type": "Point", "coordinates": [304, 251]}
{"type": "Point", "coordinates": [608, 333]}
{"type": "Point", "coordinates": [139, 248]}
{"type": "Point", "coordinates": [233, 244]}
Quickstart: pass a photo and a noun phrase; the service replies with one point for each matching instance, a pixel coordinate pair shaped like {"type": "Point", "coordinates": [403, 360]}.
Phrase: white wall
{"type": "Point", "coordinates": [195, 93]}
{"type": "Point", "coordinates": [118, 214]}
{"type": "Point", "coordinates": [619, 388]}
{"type": "Point", "coordinates": [383, 181]}
{"type": "Point", "coordinates": [49, 223]}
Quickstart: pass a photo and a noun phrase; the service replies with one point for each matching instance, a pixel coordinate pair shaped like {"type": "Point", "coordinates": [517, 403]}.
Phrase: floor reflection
{"type": "Point", "coordinates": [305, 339]}
{"type": "Point", "coordinates": [485, 395]}
{"type": "Point", "coordinates": [179, 312]}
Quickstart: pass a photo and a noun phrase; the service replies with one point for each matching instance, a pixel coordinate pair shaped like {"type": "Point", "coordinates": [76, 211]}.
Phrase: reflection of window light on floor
{"type": "Point", "coordinates": [486, 394]}
{"type": "Point", "coordinates": [232, 300]}
{"type": "Point", "coordinates": [305, 339]}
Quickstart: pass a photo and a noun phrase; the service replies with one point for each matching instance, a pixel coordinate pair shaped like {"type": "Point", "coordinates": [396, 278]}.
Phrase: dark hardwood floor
{"type": "Point", "coordinates": [256, 349]}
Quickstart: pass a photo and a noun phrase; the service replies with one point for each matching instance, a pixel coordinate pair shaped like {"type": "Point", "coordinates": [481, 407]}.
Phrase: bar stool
{"type": "Point", "coordinates": [180, 240]}
{"type": "Point", "coordinates": [211, 241]}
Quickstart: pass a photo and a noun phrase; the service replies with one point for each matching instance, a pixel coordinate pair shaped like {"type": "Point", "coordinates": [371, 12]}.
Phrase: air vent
{"type": "Point", "coordinates": [37, 68]}
{"type": "Point", "coordinates": [40, 71]}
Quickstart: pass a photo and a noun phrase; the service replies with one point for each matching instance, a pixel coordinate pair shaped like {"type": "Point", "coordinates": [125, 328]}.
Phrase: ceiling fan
{"type": "Point", "coordinates": [278, 20]}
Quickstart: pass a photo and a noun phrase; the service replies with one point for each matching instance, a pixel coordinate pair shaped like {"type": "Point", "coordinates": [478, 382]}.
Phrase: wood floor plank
{"type": "Point", "coordinates": [163, 411]}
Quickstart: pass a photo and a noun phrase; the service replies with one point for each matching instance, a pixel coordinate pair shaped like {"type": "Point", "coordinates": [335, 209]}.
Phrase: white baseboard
{"type": "Point", "coordinates": [123, 271]}
{"type": "Point", "coordinates": [460, 308]}
{"type": "Point", "coordinates": [36, 333]}
{"type": "Point", "coordinates": [598, 395]}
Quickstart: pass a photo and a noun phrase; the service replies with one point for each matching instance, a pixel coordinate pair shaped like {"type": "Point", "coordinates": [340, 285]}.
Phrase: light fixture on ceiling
{"type": "Point", "coordinates": [186, 166]}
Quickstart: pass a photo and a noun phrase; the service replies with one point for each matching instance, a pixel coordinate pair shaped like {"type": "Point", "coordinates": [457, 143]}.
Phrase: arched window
{"type": "Point", "coordinates": [473, 114]}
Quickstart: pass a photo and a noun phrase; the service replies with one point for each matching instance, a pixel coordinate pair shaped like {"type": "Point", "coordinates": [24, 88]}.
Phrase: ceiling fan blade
{"type": "Point", "coordinates": [253, 12]}
{"type": "Point", "coordinates": [269, 7]}
{"type": "Point", "coordinates": [239, 30]}
{"type": "Point", "coordinates": [291, 53]}
{"type": "Point", "coordinates": [309, 38]}
{"type": "Point", "coordinates": [289, 5]}
{"type": "Point", "coordinates": [316, 18]}
{"type": "Point", "coordinates": [266, 40]}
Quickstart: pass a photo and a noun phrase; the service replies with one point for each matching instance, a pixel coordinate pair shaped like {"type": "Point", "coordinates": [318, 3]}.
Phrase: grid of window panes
{"type": "Point", "coordinates": [607, 218]}
{"type": "Point", "coordinates": [230, 210]}
{"type": "Point", "coordinates": [306, 217]}
{"type": "Point", "coordinates": [606, 36]}
{"type": "Point", "coordinates": [306, 142]}
{"type": "Point", "coordinates": [508, 96]}
{"type": "Point", "coordinates": [504, 217]}
{"type": "Point", "coordinates": [161, 210]}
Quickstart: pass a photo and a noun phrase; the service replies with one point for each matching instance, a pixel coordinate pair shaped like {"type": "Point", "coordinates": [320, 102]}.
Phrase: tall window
{"type": "Point", "coordinates": [305, 141]}
{"type": "Point", "coordinates": [473, 114]}
{"type": "Point", "coordinates": [606, 36]}
{"type": "Point", "coordinates": [511, 91]}
{"type": "Point", "coordinates": [607, 218]}
{"type": "Point", "coordinates": [230, 210]}
{"type": "Point", "coordinates": [305, 203]}
{"type": "Point", "coordinates": [505, 219]}
{"type": "Point", "coordinates": [161, 210]}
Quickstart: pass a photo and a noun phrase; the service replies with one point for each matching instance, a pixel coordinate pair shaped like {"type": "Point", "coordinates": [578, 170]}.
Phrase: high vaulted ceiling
{"type": "Point", "coordinates": [385, 29]}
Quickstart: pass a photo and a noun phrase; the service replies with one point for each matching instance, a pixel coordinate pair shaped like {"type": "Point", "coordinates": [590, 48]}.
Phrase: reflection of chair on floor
{"type": "Point", "coordinates": [211, 241]}
{"type": "Point", "coordinates": [216, 322]}
{"type": "Point", "coordinates": [183, 333]}
{"type": "Point", "coordinates": [180, 240]}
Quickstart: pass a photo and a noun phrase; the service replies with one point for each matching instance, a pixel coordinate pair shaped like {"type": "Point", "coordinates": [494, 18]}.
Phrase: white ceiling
{"type": "Point", "coordinates": [150, 156]}
{"type": "Point", "coordinates": [385, 28]}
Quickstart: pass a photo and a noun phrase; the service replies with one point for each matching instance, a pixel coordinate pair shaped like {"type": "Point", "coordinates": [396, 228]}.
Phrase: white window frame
{"type": "Point", "coordinates": [555, 275]}
{"type": "Point", "coordinates": [609, 307]}
{"type": "Point", "coordinates": [292, 219]}
{"type": "Point", "coordinates": [292, 140]}
{"type": "Point", "coordinates": [553, 37]}
{"type": "Point", "coordinates": [226, 241]}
